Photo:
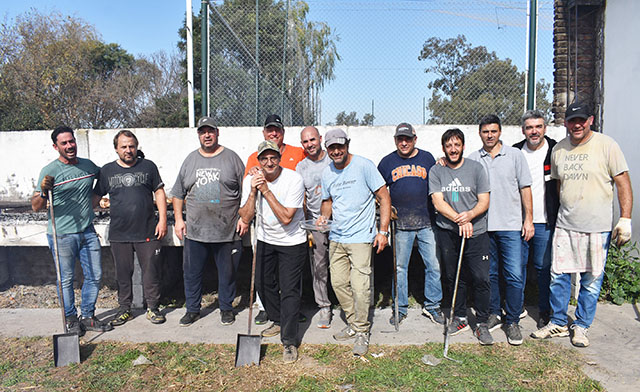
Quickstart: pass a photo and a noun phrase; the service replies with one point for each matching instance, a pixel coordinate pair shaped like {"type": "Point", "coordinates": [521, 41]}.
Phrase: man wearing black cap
{"type": "Point", "coordinates": [586, 164]}
{"type": "Point", "coordinates": [349, 186]}
{"type": "Point", "coordinates": [274, 195]}
{"type": "Point", "coordinates": [210, 180]}
{"type": "Point", "coordinates": [406, 173]}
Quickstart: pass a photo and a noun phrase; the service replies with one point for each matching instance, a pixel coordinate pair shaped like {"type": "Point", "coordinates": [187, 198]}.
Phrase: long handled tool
{"type": "Point", "coordinates": [453, 305]}
{"type": "Point", "coordinates": [396, 310]}
{"type": "Point", "coordinates": [248, 346]}
{"type": "Point", "coordinates": [66, 346]}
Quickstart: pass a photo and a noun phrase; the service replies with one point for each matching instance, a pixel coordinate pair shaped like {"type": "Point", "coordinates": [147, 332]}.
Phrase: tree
{"type": "Point", "coordinates": [345, 119]}
{"type": "Point", "coordinates": [367, 119]}
{"type": "Point", "coordinates": [472, 82]}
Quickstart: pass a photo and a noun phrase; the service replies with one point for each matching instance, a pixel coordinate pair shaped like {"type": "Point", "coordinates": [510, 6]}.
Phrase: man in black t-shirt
{"type": "Point", "coordinates": [132, 182]}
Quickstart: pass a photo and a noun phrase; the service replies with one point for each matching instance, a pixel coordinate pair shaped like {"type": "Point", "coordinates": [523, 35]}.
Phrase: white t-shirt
{"type": "Point", "coordinates": [288, 189]}
{"type": "Point", "coordinates": [535, 160]}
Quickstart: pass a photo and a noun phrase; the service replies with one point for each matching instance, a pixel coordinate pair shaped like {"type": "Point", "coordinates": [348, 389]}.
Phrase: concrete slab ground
{"type": "Point", "coordinates": [613, 358]}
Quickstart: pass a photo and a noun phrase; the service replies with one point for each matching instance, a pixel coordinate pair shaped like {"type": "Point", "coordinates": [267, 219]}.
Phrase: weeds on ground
{"type": "Point", "coordinates": [621, 281]}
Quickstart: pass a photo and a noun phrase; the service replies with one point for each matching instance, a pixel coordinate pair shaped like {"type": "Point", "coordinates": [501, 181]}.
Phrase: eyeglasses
{"type": "Point", "coordinates": [274, 159]}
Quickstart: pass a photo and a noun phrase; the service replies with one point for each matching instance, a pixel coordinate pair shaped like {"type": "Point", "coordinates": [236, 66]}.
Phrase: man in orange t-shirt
{"type": "Point", "coordinates": [274, 130]}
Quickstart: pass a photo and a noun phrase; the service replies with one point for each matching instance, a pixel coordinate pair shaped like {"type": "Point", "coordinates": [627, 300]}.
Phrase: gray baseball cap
{"type": "Point", "coordinates": [335, 136]}
{"type": "Point", "coordinates": [206, 122]}
{"type": "Point", "coordinates": [405, 129]}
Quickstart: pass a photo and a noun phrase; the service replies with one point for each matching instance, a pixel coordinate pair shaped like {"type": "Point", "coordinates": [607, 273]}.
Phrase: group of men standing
{"type": "Point", "coordinates": [503, 201]}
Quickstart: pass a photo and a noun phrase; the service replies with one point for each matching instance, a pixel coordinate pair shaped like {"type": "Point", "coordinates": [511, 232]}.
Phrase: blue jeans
{"type": "Point", "coordinates": [505, 254]}
{"type": "Point", "coordinates": [427, 249]}
{"type": "Point", "coordinates": [540, 248]}
{"type": "Point", "coordinates": [590, 285]}
{"type": "Point", "coordinates": [86, 247]}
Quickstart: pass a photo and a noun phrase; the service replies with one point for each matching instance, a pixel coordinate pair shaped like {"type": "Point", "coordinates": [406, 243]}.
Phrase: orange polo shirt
{"type": "Point", "coordinates": [290, 158]}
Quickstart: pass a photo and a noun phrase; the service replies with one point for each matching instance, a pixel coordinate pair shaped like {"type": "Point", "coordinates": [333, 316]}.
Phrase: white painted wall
{"type": "Point", "coordinates": [25, 153]}
{"type": "Point", "coordinates": [621, 86]}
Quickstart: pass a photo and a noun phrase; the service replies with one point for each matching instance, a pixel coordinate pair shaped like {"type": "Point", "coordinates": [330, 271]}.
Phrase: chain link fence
{"type": "Point", "coordinates": [374, 62]}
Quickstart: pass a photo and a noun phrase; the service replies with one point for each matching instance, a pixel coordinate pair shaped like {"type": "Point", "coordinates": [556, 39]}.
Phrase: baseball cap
{"type": "Point", "coordinates": [268, 145]}
{"type": "Point", "coordinates": [405, 129]}
{"type": "Point", "coordinates": [206, 122]}
{"type": "Point", "coordinates": [335, 136]}
{"type": "Point", "coordinates": [273, 120]}
{"type": "Point", "coordinates": [577, 109]}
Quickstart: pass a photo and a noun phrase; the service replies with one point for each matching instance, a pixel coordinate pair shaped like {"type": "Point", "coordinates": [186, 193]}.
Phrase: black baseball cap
{"type": "Point", "coordinates": [405, 129]}
{"type": "Point", "coordinates": [273, 120]}
{"type": "Point", "coordinates": [577, 109]}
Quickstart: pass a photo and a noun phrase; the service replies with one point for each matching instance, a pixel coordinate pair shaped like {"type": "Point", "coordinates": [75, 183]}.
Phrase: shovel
{"type": "Point", "coordinates": [66, 346]}
{"type": "Point", "coordinates": [248, 346]}
{"type": "Point", "coordinates": [453, 305]}
{"type": "Point", "coordinates": [396, 311]}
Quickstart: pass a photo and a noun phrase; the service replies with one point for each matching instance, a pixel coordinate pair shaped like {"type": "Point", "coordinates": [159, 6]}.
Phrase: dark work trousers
{"type": "Point", "coordinates": [226, 256]}
{"type": "Point", "coordinates": [281, 266]}
{"type": "Point", "coordinates": [150, 259]}
{"type": "Point", "coordinates": [474, 271]}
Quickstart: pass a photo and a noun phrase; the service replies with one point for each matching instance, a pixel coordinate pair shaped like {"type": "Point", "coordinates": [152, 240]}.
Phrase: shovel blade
{"type": "Point", "coordinates": [66, 349]}
{"type": "Point", "coordinates": [248, 350]}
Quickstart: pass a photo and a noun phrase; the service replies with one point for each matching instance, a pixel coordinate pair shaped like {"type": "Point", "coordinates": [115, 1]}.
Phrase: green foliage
{"type": "Point", "coordinates": [621, 281]}
{"type": "Point", "coordinates": [345, 119]}
{"type": "Point", "coordinates": [472, 82]}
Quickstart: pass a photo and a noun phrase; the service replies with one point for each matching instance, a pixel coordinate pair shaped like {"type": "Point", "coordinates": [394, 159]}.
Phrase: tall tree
{"type": "Point", "coordinates": [345, 119]}
{"type": "Point", "coordinates": [471, 82]}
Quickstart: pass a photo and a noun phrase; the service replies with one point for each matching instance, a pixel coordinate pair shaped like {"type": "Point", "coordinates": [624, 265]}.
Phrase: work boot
{"type": "Point", "coordinates": [579, 337]}
{"type": "Point", "coordinates": [435, 315]}
{"type": "Point", "coordinates": [273, 330]}
{"type": "Point", "coordinates": [551, 330]}
{"type": "Point", "coordinates": [290, 353]}
{"type": "Point", "coordinates": [122, 317]}
{"type": "Point", "coordinates": [93, 324]}
{"type": "Point", "coordinates": [361, 345]}
{"type": "Point", "coordinates": [346, 334]}
{"type": "Point", "coordinates": [514, 336]}
{"type": "Point", "coordinates": [74, 325]}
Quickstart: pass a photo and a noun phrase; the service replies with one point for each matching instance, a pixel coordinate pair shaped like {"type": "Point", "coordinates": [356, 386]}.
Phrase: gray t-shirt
{"type": "Point", "coordinates": [508, 173]}
{"type": "Point", "coordinates": [212, 188]}
{"type": "Point", "coordinates": [460, 188]}
{"type": "Point", "coordinates": [311, 172]}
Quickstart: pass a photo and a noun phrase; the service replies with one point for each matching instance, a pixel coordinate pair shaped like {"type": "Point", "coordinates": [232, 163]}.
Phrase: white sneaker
{"type": "Point", "coordinates": [551, 330]}
{"type": "Point", "coordinates": [579, 337]}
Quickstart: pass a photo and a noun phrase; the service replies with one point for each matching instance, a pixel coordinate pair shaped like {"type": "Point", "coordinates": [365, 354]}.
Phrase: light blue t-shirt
{"type": "Point", "coordinates": [352, 193]}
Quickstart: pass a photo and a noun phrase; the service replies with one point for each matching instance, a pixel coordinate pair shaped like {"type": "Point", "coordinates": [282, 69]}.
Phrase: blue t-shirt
{"type": "Point", "coordinates": [408, 182]}
{"type": "Point", "coordinates": [352, 193]}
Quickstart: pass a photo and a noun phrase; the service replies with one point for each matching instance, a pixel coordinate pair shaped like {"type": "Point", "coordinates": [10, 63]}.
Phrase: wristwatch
{"type": "Point", "coordinates": [384, 233]}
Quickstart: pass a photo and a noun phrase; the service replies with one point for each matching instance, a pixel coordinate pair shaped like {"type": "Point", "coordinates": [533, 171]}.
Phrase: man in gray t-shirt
{"type": "Point", "coordinates": [460, 194]}
{"type": "Point", "coordinates": [311, 169]}
{"type": "Point", "coordinates": [210, 180]}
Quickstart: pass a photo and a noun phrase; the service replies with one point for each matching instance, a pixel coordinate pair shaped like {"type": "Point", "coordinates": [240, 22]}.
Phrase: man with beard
{"type": "Point", "coordinates": [311, 169]}
{"type": "Point", "coordinates": [132, 182]}
{"type": "Point", "coordinates": [460, 194]}
{"type": "Point", "coordinates": [210, 180]}
{"type": "Point", "coordinates": [71, 180]}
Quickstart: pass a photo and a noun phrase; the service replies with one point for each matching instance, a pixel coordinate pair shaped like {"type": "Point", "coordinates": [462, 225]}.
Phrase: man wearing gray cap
{"type": "Point", "coordinates": [274, 195]}
{"type": "Point", "coordinates": [350, 186]}
{"type": "Point", "coordinates": [406, 172]}
{"type": "Point", "coordinates": [586, 164]}
{"type": "Point", "coordinates": [210, 180]}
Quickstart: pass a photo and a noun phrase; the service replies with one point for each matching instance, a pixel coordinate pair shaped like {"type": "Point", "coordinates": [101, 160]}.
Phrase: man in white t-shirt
{"type": "Point", "coordinates": [274, 195]}
{"type": "Point", "coordinates": [586, 164]}
{"type": "Point", "coordinates": [536, 148]}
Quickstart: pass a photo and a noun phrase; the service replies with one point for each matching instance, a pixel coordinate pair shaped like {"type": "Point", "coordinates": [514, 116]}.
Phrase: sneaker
{"type": "Point", "coordinates": [524, 313]}
{"type": "Point", "coordinates": [543, 319]}
{"type": "Point", "coordinates": [302, 318]}
{"type": "Point", "coordinates": [514, 336]}
{"type": "Point", "coordinates": [483, 334]}
{"type": "Point", "coordinates": [579, 337]}
{"type": "Point", "coordinates": [346, 334]}
{"type": "Point", "coordinates": [155, 316]}
{"type": "Point", "coordinates": [227, 317]}
{"type": "Point", "coordinates": [74, 325]}
{"type": "Point", "coordinates": [401, 317]}
{"type": "Point", "coordinates": [290, 354]}
{"type": "Point", "coordinates": [189, 318]}
{"type": "Point", "coordinates": [361, 345]}
{"type": "Point", "coordinates": [434, 315]}
{"type": "Point", "coordinates": [273, 330]}
{"type": "Point", "coordinates": [93, 324]}
{"type": "Point", "coordinates": [459, 324]}
{"type": "Point", "coordinates": [122, 317]}
{"type": "Point", "coordinates": [494, 322]}
{"type": "Point", "coordinates": [551, 330]}
{"type": "Point", "coordinates": [261, 318]}
{"type": "Point", "coordinates": [324, 320]}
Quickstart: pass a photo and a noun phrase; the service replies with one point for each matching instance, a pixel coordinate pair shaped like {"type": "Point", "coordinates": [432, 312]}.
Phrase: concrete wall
{"type": "Point", "coordinates": [621, 84]}
{"type": "Point", "coordinates": [25, 153]}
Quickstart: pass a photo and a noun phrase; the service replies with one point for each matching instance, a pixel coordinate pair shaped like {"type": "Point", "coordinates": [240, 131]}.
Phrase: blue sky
{"type": "Point", "coordinates": [379, 41]}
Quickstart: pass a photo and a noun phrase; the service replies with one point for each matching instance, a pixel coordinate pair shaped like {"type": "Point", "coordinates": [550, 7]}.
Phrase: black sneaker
{"type": "Point", "coordinates": [122, 317]}
{"type": "Point", "coordinates": [434, 315]}
{"type": "Point", "coordinates": [401, 317]}
{"type": "Point", "coordinates": [74, 325]}
{"type": "Point", "coordinates": [543, 320]}
{"type": "Point", "coordinates": [302, 318]}
{"type": "Point", "coordinates": [494, 322]}
{"type": "Point", "coordinates": [483, 334]}
{"type": "Point", "coordinates": [155, 316]}
{"type": "Point", "coordinates": [514, 337]}
{"type": "Point", "coordinates": [459, 324]}
{"type": "Point", "coordinates": [227, 317]}
{"type": "Point", "coordinates": [261, 318]}
{"type": "Point", "coordinates": [93, 324]}
{"type": "Point", "coordinates": [189, 318]}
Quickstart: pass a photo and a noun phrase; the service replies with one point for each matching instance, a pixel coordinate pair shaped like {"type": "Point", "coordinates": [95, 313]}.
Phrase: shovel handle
{"type": "Point", "coordinates": [56, 259]}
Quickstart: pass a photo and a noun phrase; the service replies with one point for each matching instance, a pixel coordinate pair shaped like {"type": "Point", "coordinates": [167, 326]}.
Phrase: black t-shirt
{"type": "Point", "coordinates": [130, 189]}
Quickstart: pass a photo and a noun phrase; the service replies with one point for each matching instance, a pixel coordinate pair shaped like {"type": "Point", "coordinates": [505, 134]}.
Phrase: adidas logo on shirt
{"type": "Point", "coordinates": [455, 187]}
